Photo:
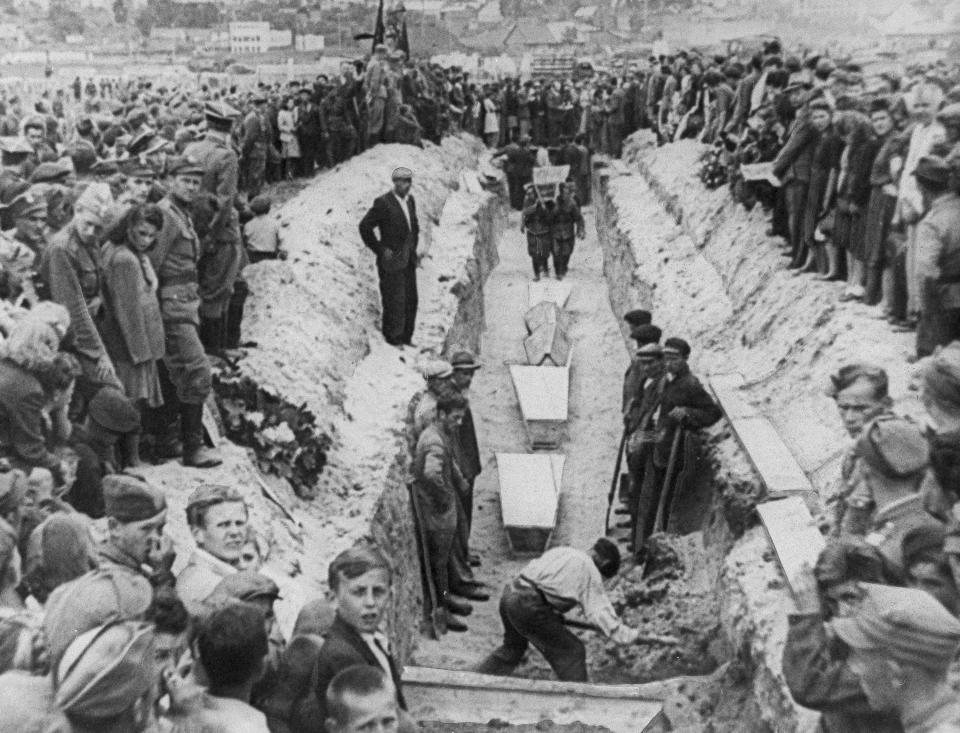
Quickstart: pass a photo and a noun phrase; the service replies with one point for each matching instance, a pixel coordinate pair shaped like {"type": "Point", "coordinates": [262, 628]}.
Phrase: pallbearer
{"type": "Point", "coordinates": [537, 221]}
{"type": "Point", "coordinates": [566, 224]}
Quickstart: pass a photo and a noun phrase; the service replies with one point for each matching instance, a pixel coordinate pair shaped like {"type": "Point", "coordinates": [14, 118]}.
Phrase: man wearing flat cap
{"type": "Point", "coordinates": [937, 256]}
{"type": "Point", "coordinates": [422, 409]}
{"type": "Point", "coordinates": [394, 216]}
{"type": "Point", "coordinates": [639, 422]}
{"type": "Point", "coordinates": [186, 375]}
{"type": "Point", "coordinates": [902, 643]}
{"type": "Point", "coordinates": [892, 459]}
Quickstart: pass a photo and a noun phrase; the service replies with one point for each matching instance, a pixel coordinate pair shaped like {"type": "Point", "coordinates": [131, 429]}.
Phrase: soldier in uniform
{"type": "Point", "coordinates": [567, 222]}
{"type": "Point", "coordinates": [340, 116]}
{"type": "Point", "coordinates": [902, 643]}
{"type": "Point", "coordinates": [223, 258]}
{"type": "Point", "coordinates": [15, 157]}
{"type": "Point", "coordinates": [375, 87]}
{"type": "Point", "coordinates": [186, 374]}
{"type": "Point", "coordinates": [518, 166]}
{"type": "Point", "coordinates": [29, 214]}
{"type": "Point", "coordinates": [536, 221]}
{"type": "Point", "coordinates": [71, 272]}
{"type": "Point", "coordinates": [254, 141]}
{"type": "Point", "coordinates": [938, 257]}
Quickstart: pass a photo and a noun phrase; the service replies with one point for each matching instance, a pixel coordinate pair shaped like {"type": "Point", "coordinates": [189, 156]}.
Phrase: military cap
{"type": "Point", "coordinates": [101, 596]}
{"type": "Point", "coordinates": [146, 143]}
{"type": "Point", "coordinates": [923, 543]}
{"type": "Point", "coordinates": [15, 146]}
{"type": "Point", "coordinates": [638, 317]}
{"type": "Point", "coordinates": [260, 205]}
{"type": "Point", "coordinates": [12, 486]}
{"type": "Point", "coordinates": [244, 586]}
{"type": "Point", "coordinates": [941, 377]}
{"type": "Point", "coordinates": [401, 174]}
{"type": "Point", "coordinates": [29, 202]}
{"type": "Point", "coordinates": [437, 369]}
{"type": "Point", "coordinates": [208, 495]}
{"type": "Point", "coordinates": [950, 115]}
{"type": "Point", "coordinates": [52, 172]}
{"type": "Point", "coordinates": [903, 624]}
{"type": "Point", "coordinates": [34, 121]}
{"type": "Point", "coordinates": [111, 409]}
{"type": "Point", "coordinates": [136, 168]}
{"type": "Point", "coordinates": [397, 55]}
{"type": "Point", "coordinates": [184, 165]}
{"type": "Point", "coordinates": [676, 345]}
{"type": "Point", "coordinates": [894, 447]}
{"type": "Point", "coordinates": [137, 116]}
{"type": "Point", "coordinates": [258, 98]}
{"type": "Point", "coordinates": [646, 334]}
{"type": "Point", "coordinates": [380, 47]}
{"type": "Point", "coordinates": [130, 499]}
{"type": "Point", "coordinates": [464, 361]}
{"type": "Point", "coordinates": [105, 670]}
{"type": "Point", "coordinates": [650, 352]}
{"type": "Point", "coordinates": [932, 169]}
{"type": "Point", "coordinates": [105, 167]}
{"type": "Point", "coordinates": [220, 111]}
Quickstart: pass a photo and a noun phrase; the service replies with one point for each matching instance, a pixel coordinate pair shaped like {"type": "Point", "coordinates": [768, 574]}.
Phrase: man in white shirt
{"type": "Point", "coordinates": [532, 609]}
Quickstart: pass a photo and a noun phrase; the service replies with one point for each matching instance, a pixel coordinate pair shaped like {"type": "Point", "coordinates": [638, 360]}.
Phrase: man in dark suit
{"type": "Point", "coordinates": [360, 579]}
{"type": "Point", "coordinates": [394, 214]}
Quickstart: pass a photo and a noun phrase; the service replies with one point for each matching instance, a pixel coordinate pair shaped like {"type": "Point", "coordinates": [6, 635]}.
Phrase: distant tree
{"type": "Point", "coordinates": [120, 12]}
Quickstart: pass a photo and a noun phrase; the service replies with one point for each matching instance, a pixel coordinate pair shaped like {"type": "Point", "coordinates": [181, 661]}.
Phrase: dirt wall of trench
{"type": "Point", "coordinates": [709, 272]}
{"type": "Point", "coordinates": [315, 319]}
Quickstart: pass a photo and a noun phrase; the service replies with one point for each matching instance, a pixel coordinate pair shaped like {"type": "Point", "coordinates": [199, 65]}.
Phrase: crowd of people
{"type": "Point", "coordinates": [875, 629]}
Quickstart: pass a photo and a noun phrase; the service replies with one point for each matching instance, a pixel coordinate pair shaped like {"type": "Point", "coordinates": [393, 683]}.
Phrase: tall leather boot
{"type": "Point", "coordinates": [195, 453]}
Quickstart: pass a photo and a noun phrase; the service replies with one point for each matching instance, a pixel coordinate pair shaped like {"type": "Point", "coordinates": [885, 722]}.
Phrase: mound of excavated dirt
{"type": "Point", "coordinates": [709, 272]}
{"type": "Point", "coordinates": [315, 319]}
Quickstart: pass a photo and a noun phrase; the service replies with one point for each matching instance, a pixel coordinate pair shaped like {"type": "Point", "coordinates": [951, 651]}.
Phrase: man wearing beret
{"type": "Point", "coordinates": [893, 456]}
{"type": "Point", "coordinates": [186, 375]}
{"type": "Point", "coordinates": [937, 256]}
{"type": "Point", "coordinates": [218, 520]}
{"type": "Point", "coordinates": [902, 643]}
{"type": "Point", "coordinates": [394, 216]}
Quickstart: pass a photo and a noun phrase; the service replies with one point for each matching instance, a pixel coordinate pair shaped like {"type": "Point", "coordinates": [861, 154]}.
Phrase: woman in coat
{"type": "Point", "coordinates": [287, 121]}
{"type": "Point", "coordinates": [132, 328]}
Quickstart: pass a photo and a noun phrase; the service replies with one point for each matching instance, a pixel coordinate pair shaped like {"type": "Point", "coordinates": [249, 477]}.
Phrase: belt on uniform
{"type": "Point", "coordinates": [178, 280]}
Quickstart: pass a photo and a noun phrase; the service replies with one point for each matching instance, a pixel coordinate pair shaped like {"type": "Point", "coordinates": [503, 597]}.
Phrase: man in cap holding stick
{"type": "Point", "coordinates": [937, 256]}
{"type": "Point", "coordinates": [186, 375]}
{"type": "Point", "coordinates": [394, 215]}
{"type": "Point", "coordinates": [902, 642]}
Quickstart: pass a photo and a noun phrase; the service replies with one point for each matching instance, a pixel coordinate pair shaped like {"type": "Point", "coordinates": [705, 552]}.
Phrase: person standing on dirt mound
{"type": "Point", "coordinates": [394, 215]}
{"type": "Point", "coordinates": [532, 608]}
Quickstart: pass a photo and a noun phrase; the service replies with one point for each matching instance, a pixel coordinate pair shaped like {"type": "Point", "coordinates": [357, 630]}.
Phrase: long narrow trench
{"type": "Point", "coordinates": [593, 430]}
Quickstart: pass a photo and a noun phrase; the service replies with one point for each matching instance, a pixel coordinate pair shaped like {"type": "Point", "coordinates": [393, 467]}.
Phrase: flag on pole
{"type": "Point", "coordinates": [379, 30]}
{"type": "Point", "coordinates": [403, 43]}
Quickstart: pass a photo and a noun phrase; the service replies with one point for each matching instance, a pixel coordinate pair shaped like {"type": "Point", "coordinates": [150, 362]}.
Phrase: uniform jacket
{"type": "Point", "coordinates": [132, 329]}
{"type": "Point", "coordinates": [71, 272]}
{"type": "Point", "coordinates": [255, 135]}
{"type": "Point", "coordinates": [174, 259]}
{"type": "Point", "coordinates": [818, 678]}
{"type": "Point", "coordinates": [221, 174]}
{"type": "Point", "coordinates": [396, 248]}
{"type": "Point", "coordinates": [891, 523]}
{"type": "Point", "coordinates": [21, 423]}
{"type": "Point", "coordinates": [938, 250]}
{"type": "Point", "coordinates": [344, 647]}
{"type": "Point", "coordinates": [375, 80]}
